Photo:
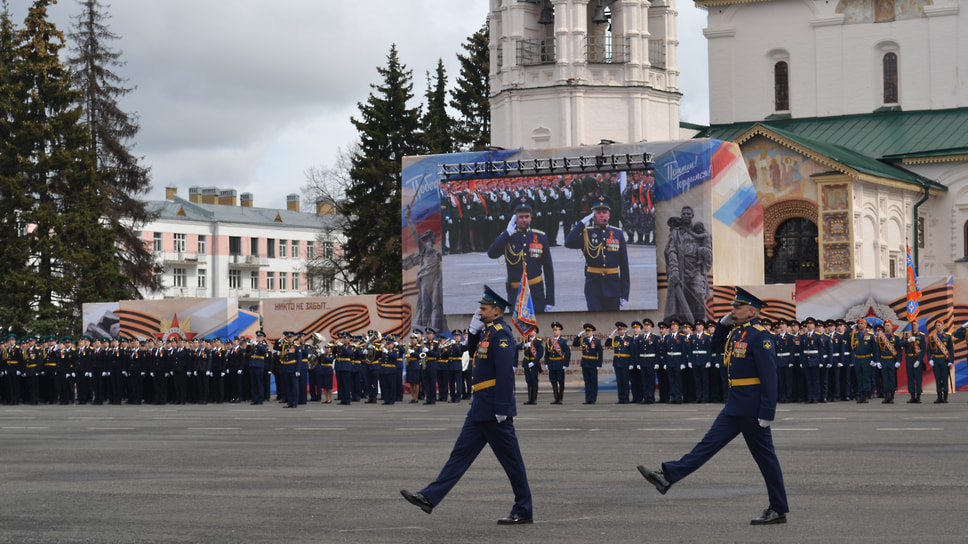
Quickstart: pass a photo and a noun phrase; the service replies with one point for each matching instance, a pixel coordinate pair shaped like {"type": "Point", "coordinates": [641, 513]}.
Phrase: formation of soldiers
{"type": "Point", "coordinates": [818, 361]}
{"type": "Point", "coordinates": [473, 213]}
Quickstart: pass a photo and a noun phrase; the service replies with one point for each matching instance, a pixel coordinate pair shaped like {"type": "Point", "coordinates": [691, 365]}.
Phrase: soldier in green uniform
{"type": "Point", "coordinates": [889, 346]}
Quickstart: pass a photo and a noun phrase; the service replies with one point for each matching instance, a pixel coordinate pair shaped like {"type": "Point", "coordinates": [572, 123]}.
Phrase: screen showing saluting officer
{"type": "Point", "coordinates": [607, 279]}
{"type": "Point", "coordinates": [523, 246]}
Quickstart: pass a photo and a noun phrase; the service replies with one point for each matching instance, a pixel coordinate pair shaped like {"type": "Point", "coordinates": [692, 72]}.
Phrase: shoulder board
{"type": "Point", "coordinates": [759, 327]}
{"type": "Point", "coordinates": [498, 327]}
{"type": "Point", "coordinates": [538, 231]}
{"type": "Point", "coordinates": [536, 339]}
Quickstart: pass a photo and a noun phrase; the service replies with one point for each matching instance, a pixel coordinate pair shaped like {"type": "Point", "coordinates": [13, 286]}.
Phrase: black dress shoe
{"type": "Point", "coordinates": [769, 517]}
{"type": "Point", "coordinates": [417, 499]}
{"type": "Point", "coordinates": [656, 478]}
{"type": "Point", "coordinates": [514, 519]}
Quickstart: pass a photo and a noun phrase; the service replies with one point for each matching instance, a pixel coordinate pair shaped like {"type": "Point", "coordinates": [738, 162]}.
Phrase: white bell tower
{"type": "Point", "coordinates": [575, 72]}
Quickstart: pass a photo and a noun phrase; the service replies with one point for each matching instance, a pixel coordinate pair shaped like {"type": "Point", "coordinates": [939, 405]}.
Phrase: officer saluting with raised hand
{"type": "Point", "coordinates": [523, 246]}
{"type": "Point", "coordinates": [750, 359]}
{"type": "Point", "coordinates": [489, 420]}
{"type": "Point", "coordinates": [607, 281]}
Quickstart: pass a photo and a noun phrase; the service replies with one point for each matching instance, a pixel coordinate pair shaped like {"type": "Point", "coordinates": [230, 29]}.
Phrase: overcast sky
{"type": "Point", "coordinates": [248, 94]}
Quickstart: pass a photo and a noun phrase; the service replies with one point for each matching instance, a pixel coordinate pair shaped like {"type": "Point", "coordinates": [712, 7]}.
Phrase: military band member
{"type": "Point", "coordinates": [431, 350]}
{"type": "Point", "coordinates": [257, 368]}
{"type": "Point", "coordinates": [455, 362]}
{"type": "Point", "coordinates": [524, 247]}
{"type": "Point", "coordinates": [621, 343]}
{"type": "Point", "coordinates": [941, 353]}
{"type": "Point", "coordinates": [392, 360]}
{"type": "Point", "coordinates": [533, 349]}
{"type": "Point", "coordinates": [607, 281]}
{"type": "Point", "coordinates": [414, 363]}
{"type": "Point", "coordinates": [490, 420]}
{"type": "Point", "coordinates": [591, 360]}
{"type": "Point", "coordinates": [557, 357]}
{"type": "Point", "coordinates": [373, 359]}
{"type": "Point", "coordinates": [750, 359]}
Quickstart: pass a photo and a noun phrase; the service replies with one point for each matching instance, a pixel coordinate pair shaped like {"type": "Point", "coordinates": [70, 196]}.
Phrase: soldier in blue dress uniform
{"type": "Point", "coordinates": [591, 360]}
{"type": "Point", "coordinates": [750, 359]}
{"type": "Point", "coordinates": [811, 357]}
{"type": "Point", "coordinates": [607, 281]}
{"type": "Point", "coordinates": [863, 352]}
{"type": "Point", "coordinates": [490, 419]}
{"type": "Point", "coordinates": [523, 246]}
{"type": "Point", "coordinates": [557, 358]}
{"type": "Point", "coordinates": [675, 363]}
{"type": "Point", "coordinates": [647, 357]}
{"type": "Point", "coordinates": [621, 344]}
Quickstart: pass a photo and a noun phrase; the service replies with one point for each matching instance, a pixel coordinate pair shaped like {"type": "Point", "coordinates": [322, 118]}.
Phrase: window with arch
{"type": "Point", "coordinates": [965, 238]}
{"type": "Point", "coordinates": [781, 86]}
{"type": "Point", "coordinates": [890, 78]}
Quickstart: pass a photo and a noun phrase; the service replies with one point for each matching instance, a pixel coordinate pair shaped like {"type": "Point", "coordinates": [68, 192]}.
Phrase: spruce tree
{"type": "Point", "coordinates": [389, 130]}
{"type": "Point", "coordinates": [111, 131]}
{"type": "Point", "coordinates": [472, 91]}
{"type": "Point", "coordinates": [69, 249]}
{"type": "Point", "coordinates": [15, 275]}
{"type": "Point", "coordinates": [438, 127]}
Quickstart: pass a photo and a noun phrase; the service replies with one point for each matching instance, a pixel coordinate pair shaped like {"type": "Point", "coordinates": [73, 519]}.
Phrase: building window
{"type": "Point", "coordinates": [920, 232]}
{"type": "Point", "coordinates": [282, 248]}
{"type": "Point", "coordinates": [328, 250]}
{"type": "Point", "coordinates": [295, 281]}
{"type": "Point", "coordinates": [283, 281]}
{"type": "Point", "coordinates": [295, 249]}
{"type": "Point", "coordinates": [202, 244]}
{"type": "Point", "coordinates": [310, 283]}
{"type": "Point", "coordinates": [892, 267]}
{"type": "Point", "coordinates": [328, 283]}
{"type": "Point", "coordinates": [310, 250]}
{"type": "Point", "coordinates": [235, 279]}
{"type": "Point", "coordinates": [890, 78]}
{"type": "Point", "coordinates": [271, 281]}
{"type": "Point", "coordinates": [178, 277]}
{"type": "Point", "coordinates": [180, 243]}
{"type": "Point", "coordinates": [254, 247]}
{"type": "Point", "coordinates": [781, 86]}
{"type": "Point", "coordinates": [254, 281]}
{"type": "Point", "coordinates": [270, 248]}
{"type": "Point", "coordinates": [235, 245]}
{"type": "Point", "coordinates": [202, 278]}
{"type": "Point", "coordinates": [159, 245]}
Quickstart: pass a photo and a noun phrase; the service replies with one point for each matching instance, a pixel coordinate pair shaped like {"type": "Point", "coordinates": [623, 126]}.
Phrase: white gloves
{"type": "Point", "coordinates": [709, 365]}
{"type": "Point", "coordinates": [879, 365]}
{"type": "Point", "coordinates": [728, 320]}
{"type": "Point", "coordinates": [476, 323]}
{"type": "Point", "coordinates": [765, 423]}
{"type": "Point", "coordinates": [930, 362]}
{"type": "Point", "coordinates": [530, 365]}
{"type": "Point", "coordinates": [622, 302]}
{"type": "Point", "coordinates": [587, 220]}
{"type": "Point", "coordinates": [548, 307]}
{"type": "Point", "coordinates": [500, 419]}
{"type": "Point", "coordinates": [512, 224]}
{"type": "Point", "coordinates": [682, 367]}
{"type": "Point", "coordinates": [897, 365]}
{"type": "Point", "coordinates": [656, 367]}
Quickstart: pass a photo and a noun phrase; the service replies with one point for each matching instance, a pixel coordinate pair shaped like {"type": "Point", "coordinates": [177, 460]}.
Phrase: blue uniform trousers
{"type": "Point", "coordinates": [759, 440]}
{"type": "Point", "coordinates": [590, 375]}
{"type": "Point", "coordinates": [289, 383]}
{"type": "Point", "coordinates": [622, 382]}
{"type": "Point", "coordinates": [257, 383]}
{"type": "Point", "coordinates": [473, 436]}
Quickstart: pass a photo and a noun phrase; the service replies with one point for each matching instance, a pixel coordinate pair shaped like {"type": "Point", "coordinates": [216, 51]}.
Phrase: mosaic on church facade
{"type": "Point", "coordinates": [881, 11]}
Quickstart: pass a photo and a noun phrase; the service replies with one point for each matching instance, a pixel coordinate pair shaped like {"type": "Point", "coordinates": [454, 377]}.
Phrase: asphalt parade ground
{"type": "Point", "coordinates": [325, 473]}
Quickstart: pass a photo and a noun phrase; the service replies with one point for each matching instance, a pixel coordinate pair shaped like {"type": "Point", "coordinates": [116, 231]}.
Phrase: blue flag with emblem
{"type": "Point", "coordinates": [523, 316]}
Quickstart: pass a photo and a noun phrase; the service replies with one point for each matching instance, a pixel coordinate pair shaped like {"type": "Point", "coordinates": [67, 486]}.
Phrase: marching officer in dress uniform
{"type": "Point", "coordinates": [557, 357]}
{"type": "Point", "coordinates": [531, 362]}
{"type": "Point", "coordinates": [607, 281]}
{"type": "Point", "coordinates": [750, 360]}
{"type": "Point", "coordinates": [591, 360]}
{"type": "Point", "coordinates": [863, 352]}
{"type": "Point", "coordinates": [490, 419]}
{"type": "Point", "coordinates": [526, 248]}
{"type": "Point", "coordinates": [647, 356]}
{"type": "Point", "coordinates": [941, 354]}
{"type": "Point", "coordinates": [621, 344]}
